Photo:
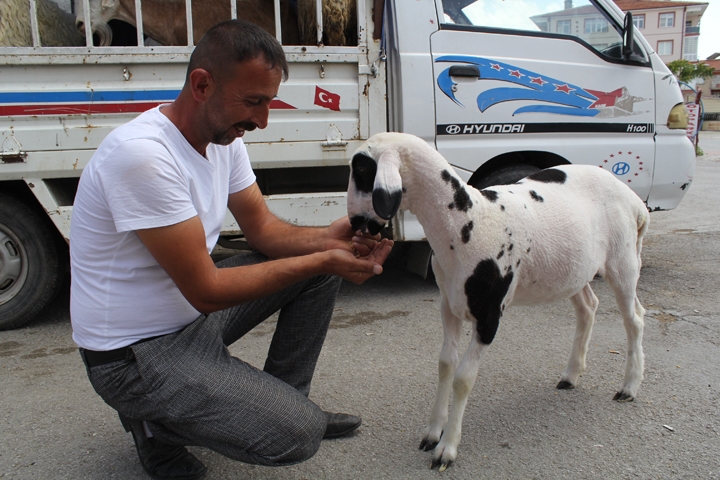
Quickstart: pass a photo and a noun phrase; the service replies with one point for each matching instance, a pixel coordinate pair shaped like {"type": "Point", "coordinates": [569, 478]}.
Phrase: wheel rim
{"type": "Point", "coordinates": [13, 264]}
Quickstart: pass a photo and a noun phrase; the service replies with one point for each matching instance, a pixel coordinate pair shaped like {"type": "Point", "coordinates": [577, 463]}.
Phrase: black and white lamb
{"type": "Point", "coordinates": [535, 242]}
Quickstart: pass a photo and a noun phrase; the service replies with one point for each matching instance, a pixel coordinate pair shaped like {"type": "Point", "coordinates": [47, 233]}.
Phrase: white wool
{"type": "Point", "coordinates": [56, 26]}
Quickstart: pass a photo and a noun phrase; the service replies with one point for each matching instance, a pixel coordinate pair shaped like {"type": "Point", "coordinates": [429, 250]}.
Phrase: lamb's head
{"type": "Point", "coordinates": [375, 188]}
{"type": "Point", "coordinates": [101, 12]}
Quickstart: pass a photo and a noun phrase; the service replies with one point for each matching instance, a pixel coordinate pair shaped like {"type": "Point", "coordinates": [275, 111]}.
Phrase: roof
{"type": "Point", "coordinates": [715, 64]}
{"type": "Point", "coordinates": [626, 5]}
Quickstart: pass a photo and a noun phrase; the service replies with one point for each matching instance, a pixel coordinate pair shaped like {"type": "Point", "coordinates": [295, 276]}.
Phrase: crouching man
{"type": "Point", "coordinates": [151, 312]}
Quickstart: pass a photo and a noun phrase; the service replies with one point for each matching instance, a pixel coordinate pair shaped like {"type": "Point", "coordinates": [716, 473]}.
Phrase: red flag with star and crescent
{"type": "Point", "coordinates": [327, 99]}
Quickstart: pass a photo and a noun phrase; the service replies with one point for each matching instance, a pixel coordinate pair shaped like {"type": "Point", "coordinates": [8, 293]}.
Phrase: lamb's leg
{"type": "Point", "coordinates": [632, 313]}
{"type": "Point", "coordinates": [586, 304]}
{"type": "Point", "coordinates": [452, 328]}
{"type": "Point", "coordinates": [446, 451]}
{"type": "Point", "coordinates": [622, 276]}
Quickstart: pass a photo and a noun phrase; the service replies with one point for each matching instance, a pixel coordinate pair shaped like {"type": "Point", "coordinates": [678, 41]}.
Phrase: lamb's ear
{"type": "Point", "coordinates": [387, 190]}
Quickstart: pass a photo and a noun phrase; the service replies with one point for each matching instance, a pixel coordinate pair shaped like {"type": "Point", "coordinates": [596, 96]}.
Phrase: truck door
{"type": "Point", "coordinates": [532, 77]}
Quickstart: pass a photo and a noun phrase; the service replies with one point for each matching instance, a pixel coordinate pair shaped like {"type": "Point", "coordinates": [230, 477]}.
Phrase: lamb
{"type": "Point", "coordinates": [56, 26]}
{"type": "Point", "coordinates": [538, 241]}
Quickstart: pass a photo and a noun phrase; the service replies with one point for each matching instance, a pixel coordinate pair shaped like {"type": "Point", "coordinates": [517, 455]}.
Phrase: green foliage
{"type": "Point", "coordinates": [686, 71]}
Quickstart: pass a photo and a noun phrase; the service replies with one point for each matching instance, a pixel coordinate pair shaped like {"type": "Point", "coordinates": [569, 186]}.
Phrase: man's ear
{"type": "Point", "coordinates": [387, 190]}
{"type": "Point", "coordinates": [202, 84]}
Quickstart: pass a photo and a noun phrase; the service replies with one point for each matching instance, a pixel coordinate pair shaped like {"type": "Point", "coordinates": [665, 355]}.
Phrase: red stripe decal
{"type": "Point", "coordinates": [276, 104]}
{"type": "Point", "coordinates": [76, 109]}
{"type": "Point", "coordinates": [98, 108]}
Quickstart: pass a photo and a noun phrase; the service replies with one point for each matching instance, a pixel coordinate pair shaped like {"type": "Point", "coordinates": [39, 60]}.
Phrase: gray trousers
{"type": "Point", "coordinates": [191, 391]}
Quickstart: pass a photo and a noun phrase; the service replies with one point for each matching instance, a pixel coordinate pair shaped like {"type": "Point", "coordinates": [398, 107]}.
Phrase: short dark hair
{"type": "Point", "coordinates": [232, 42]}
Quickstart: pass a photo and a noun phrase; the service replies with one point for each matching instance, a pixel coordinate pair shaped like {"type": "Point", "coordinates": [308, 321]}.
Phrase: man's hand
{"type": "Point", "coordinates": [341, 236]}
{"type": "Point", "coordinates": [357, 269]}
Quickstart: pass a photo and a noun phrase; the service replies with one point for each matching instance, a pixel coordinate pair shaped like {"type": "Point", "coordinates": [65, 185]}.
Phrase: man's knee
{"type": "Point", "coordinates": [300, 443]}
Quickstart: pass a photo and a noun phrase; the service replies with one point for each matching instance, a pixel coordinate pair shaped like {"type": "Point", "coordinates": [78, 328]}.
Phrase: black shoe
{"type": "Point", "coordinates": [160, 460]}
{"type": "Point", "coordinates": [340, 424]}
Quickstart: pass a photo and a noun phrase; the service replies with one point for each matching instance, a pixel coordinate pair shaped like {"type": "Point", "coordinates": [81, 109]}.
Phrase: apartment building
{"type": "Point", "coordinates": [672, 28]}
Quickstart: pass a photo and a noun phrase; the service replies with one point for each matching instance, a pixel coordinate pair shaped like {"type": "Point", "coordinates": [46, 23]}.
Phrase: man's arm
{"type": "Point", "coordinates": [277, 239]}
{"type": "Point", "coordinates": [180, 249]}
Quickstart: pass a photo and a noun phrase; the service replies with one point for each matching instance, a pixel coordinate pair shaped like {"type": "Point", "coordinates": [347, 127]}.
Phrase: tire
{"type": "Point", "coordinates": [505, 176]}
{"type": "Point", "coordinates": [31, 263]}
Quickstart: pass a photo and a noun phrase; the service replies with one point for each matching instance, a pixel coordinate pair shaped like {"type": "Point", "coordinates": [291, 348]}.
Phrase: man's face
{"type": "Point", "coordinates": [241, 100]}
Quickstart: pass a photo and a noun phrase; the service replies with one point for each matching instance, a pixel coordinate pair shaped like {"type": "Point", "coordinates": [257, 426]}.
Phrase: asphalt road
{"type": "Point", "coordinates": [380, 361]}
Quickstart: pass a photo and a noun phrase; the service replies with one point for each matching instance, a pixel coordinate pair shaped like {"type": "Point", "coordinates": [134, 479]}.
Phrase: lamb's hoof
{"type": "Point", "coordinates": [565, 385]}
{"type": "Point", "coordinates": [427, 445]}
{"type": "Point", "coordinates": [444, 464]}
{"type": "Point", "coordinates": [623, 397]}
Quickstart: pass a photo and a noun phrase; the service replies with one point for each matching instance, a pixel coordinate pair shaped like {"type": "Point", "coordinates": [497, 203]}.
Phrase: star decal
{"type": "Point", "coordinates": [564, 88]}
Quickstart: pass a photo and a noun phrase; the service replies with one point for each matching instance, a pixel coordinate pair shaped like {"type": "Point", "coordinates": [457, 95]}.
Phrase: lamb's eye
{"type": "Point", "coordinates": [361, 169]}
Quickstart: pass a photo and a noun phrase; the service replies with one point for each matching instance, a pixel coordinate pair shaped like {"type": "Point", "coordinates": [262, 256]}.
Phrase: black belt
{"type": "Point", "coordinates": [94, 358]}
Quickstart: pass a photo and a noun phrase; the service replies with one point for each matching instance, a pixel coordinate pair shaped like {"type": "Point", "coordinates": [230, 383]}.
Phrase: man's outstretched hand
{"type": "Point", "coordinates": [357, 268]}
{"type": "Point", "coordinates": [341, 235]}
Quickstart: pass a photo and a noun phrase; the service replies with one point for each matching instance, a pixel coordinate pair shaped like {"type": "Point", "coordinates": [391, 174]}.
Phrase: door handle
{"type": "Point", "coordinates": [465, 71]}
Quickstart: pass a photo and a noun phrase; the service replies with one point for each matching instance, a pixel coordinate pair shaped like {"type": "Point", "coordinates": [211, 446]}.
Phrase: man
{"type": "Point", "coordinates": [152, 314]}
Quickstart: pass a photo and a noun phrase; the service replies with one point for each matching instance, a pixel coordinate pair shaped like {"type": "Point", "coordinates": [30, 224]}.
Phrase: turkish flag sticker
{"type": "Point", "coordinates": [327, 99]}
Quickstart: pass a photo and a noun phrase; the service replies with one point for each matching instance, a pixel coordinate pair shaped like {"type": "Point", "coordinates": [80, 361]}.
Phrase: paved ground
{"type": "Point", "coordinates": [380, 361]}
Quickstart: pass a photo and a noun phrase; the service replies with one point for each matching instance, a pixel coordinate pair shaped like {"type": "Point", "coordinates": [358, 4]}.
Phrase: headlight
{"type": "Point", "coordinates": [678, 117]}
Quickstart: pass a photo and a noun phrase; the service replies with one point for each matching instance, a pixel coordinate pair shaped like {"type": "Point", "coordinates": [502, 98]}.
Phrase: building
{"type": "Point", "coordinates": [671, 28]}
{"type": "Point", "coordinates": [710, 86]}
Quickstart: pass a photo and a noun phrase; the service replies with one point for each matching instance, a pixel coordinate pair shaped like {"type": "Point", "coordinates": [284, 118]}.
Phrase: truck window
{"type": "Point", "coordinates": [580, 19]}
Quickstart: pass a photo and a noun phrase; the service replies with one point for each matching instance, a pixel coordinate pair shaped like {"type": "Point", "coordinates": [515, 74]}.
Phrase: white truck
{"type": "Point", "coordinates": [501, 88]}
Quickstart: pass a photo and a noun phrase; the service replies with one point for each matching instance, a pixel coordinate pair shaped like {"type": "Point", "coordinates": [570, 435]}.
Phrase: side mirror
{"type": "Point", "coordinates": [628, 37]}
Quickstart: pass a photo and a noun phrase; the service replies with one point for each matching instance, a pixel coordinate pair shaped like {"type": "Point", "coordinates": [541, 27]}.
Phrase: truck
{"type": "Point", "coordinates": [500, 88]}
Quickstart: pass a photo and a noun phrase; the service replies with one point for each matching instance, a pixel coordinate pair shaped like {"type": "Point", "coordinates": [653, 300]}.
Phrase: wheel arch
{"type": "Point", "coordinates": [533, 158]}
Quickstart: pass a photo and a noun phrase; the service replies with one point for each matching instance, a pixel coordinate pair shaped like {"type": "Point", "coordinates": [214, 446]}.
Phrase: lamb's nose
{"type": "Point", "coordinates": [80, 26]}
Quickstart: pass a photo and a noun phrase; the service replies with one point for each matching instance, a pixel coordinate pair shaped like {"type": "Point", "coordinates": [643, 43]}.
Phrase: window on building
{"type": "Point", "coordinates": [665, 47]}
{"type": "Point", "coordinates": [596, 25]}
{"type": "Point", "coordinates": [639, 21]}
{"type": "Point", "coordinates": [690, 49]}
{"type": "Point", "coordinates": [563, 26]}
{"type": "Point", "coordinates": [667, 20]}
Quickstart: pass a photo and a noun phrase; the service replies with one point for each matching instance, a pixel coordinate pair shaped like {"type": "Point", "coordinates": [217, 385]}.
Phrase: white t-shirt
{"type": "Point", "coordinates": [144, 174]}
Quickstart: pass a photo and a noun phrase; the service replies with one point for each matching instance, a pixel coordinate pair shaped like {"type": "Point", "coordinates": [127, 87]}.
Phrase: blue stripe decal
{"type": "Point", "coordinates": [89, 96]}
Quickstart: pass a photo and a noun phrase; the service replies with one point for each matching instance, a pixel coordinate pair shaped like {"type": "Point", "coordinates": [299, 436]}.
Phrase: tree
{"type": "Point", "coordinates": [686, 71]}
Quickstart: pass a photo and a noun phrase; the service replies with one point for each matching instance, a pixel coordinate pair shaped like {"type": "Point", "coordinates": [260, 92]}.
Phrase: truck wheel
{"type": "Point", "coordinates": [30, 263]}
{"type": "Point", "coordinates": [505, 176]}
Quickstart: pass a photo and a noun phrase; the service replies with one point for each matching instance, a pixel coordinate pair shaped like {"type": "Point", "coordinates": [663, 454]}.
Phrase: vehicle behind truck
{"type": "Point", "coordinates": [501, 89]}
